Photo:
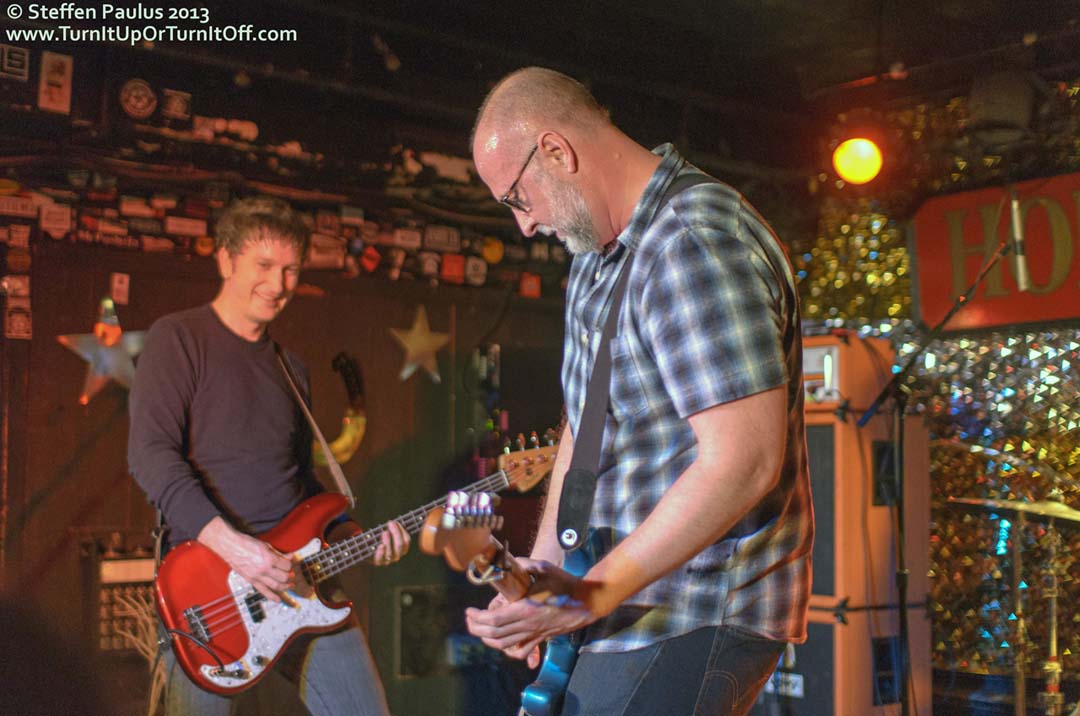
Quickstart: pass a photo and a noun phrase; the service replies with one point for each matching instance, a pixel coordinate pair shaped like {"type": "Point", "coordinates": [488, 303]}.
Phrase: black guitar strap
{"type": "Point", "coordinates": [331, 461]}
{"type": "Point", "coordinates": [579, 483]}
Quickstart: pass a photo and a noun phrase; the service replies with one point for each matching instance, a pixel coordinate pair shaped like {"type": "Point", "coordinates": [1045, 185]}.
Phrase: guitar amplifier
{"type": "Point", "coordinates": [849, 669]}
{"type": "Point", "coordinates": [121, 603]}
{"type": "Point", "coordinates": [848, 665]}
{"type": "Point", "coordinates": [844, 371]}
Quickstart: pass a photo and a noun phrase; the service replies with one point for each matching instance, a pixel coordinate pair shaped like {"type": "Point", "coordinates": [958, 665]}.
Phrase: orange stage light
{"type": "Point", "coordinates": [857, 160]}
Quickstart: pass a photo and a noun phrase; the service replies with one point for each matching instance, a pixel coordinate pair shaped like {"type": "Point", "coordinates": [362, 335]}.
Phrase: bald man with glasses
{"type": "Point", "coordinates": [702, 500]}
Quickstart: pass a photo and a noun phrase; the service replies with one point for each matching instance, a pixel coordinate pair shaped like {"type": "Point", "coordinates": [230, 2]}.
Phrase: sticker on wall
{"type": "Point", "coordinates": [14, 63]}
{"type": "Point", "coordinates": [18, 260]}
{"type": "Point", "coordinates": [453, 268]}
{"type": "Point", "coordinates": [18, 206]}
{"type": "Point", "coordinates": [15, 285]}
{"type": "Point", "coordinates": [119, 286]}
{"type": "Point", "coordinates": [369, 260]}
{"type": "Point", "coordinates": [19, 236]}
{"type": "Point", "coordinates": [55, 220]}
{"type": "Point", "coordinates": [325, 252]}
{"type": "Point", "coordinates": [530, 285]}
{"type": "Point", "coordinates": [176, 104]}
{"type": "Point", "coordinates": [429, 264]}
{"type": "Point", "coordinates": [204, 246]}
{"type": "Point", "coordinates": [492, 250]}
{"type": "Point", "coordinates": [475, 271]}
{"type": "Point", "coordinates": [17, 321]}
{"type": "Point", "coordinates": [54, 85]}
{"type": "Point", "coordinates": [137, 99]}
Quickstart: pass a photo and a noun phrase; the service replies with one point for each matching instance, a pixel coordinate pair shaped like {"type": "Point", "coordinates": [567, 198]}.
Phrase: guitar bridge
{"type": "Point", "coordinates": [197, 623]}
{"type": "Point", "coordinates": [233, 671]}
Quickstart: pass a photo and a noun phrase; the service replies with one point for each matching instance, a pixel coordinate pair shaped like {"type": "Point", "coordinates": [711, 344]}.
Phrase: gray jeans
{"type": "Point", "coordinates": [334, 675]}
{"type": "Point", "coordinates": [715, 671]}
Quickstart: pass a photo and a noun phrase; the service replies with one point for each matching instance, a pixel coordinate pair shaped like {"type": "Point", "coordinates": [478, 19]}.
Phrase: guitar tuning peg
{"type": "Point", "coordinates": [506, 444]}
{"type": "Point", "coordinates": [519, 442]}
{"type": "Point", "coordinates": [533, 440]}
{"type": "Point", "coordinates": [550, 436]}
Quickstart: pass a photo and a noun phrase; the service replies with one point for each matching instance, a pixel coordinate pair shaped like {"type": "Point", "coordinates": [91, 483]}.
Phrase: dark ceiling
{"type": "Point", "coordinates": [743, 83]}
{"type": "Point", "coordinates": [738, 79]}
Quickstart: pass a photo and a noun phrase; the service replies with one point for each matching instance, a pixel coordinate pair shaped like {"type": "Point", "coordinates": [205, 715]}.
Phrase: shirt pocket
{"type": "Point", "coordinates": [628, 396]}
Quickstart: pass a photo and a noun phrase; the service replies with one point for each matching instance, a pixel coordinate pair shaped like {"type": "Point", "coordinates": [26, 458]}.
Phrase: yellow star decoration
{"type": "Point", "coordinates": [420, 346]}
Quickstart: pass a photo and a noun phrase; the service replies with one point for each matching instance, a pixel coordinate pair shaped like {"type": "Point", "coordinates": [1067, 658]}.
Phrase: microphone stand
{"type": "Point", "coordinates": [899, 392]}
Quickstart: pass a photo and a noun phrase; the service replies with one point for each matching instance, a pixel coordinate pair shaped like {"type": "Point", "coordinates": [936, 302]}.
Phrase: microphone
{"type": "Point", "coordinates": [1023, 277]}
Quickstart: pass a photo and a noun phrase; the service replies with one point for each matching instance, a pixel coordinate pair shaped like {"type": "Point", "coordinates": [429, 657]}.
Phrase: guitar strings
{"type": "Point", "coordinates": [223, 613]}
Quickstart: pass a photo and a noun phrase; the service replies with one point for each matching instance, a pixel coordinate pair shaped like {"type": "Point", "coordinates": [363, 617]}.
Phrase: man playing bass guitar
{"type": "Point", "coordinates": [221, 447]}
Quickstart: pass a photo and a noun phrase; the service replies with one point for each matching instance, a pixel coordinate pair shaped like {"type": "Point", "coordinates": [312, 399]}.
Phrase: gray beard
{"type": "Point", "coordinates": [575, 228]}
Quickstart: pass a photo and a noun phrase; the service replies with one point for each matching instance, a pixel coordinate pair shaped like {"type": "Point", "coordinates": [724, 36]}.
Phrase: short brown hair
{"type": "Point", "coordinates": [261, 217]}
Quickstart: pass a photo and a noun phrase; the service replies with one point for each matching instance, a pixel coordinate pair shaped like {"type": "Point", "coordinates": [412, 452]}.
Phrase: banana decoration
{"type": "Point", "coordinates": [345, 445]}
{"type": "Point", "coordinates": [354, 424]}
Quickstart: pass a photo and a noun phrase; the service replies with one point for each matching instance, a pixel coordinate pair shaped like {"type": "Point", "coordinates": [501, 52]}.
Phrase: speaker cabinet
{"type": "Point", "coordinates": [848, 670]}
{"type": "Point", "coordinates": [849, 665]}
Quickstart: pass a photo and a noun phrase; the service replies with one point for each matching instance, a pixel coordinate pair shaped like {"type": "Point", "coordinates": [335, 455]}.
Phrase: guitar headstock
{"type": "Point", "coordinates": [462, 530]}
{"type": "Point", "coordinates": [466, 510]}
{"type": "Point", "coordinates": [530, 463]}
{"type": "Point", "coordinates": [347, 366]}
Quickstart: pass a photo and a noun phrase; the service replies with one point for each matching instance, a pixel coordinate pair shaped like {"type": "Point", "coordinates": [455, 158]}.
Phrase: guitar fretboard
{"type": "Point", "coordinates": [348, 552]}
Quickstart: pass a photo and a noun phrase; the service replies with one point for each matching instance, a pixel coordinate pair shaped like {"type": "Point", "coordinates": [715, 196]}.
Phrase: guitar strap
{"type": "Point", "coordinates": [579, 483]}
{"type": "Point", "coordinates": [331, 461]}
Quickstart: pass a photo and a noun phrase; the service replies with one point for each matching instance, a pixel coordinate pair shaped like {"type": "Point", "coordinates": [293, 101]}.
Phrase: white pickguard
{"type": "Point", "coordinates": [282, 620]}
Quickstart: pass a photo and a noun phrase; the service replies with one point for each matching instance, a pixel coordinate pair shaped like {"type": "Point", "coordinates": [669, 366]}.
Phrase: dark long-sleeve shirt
{"type": "Point", "coordinates": [215, 429]}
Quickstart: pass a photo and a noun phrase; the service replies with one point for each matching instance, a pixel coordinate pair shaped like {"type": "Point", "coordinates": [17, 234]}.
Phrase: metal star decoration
{"type": "Point", "coordinates": [108, 351]}
{"type": "Point", "coordinates": [420, 346]}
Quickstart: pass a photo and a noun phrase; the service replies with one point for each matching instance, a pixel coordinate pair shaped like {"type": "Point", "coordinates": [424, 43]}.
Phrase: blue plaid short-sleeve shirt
{"type": "Point", "coordinates": [710, 316]}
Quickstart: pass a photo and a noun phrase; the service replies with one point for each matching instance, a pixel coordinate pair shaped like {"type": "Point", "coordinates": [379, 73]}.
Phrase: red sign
{"type": "Point", "coordinates": [956, 234]}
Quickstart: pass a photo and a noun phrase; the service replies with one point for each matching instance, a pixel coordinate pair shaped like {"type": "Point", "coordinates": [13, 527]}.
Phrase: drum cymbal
{"type": "Point", "coordinates": [1042, 508]}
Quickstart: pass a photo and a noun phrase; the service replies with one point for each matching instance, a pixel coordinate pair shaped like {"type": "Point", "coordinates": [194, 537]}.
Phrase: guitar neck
{"type": "Point", "coordinates": [349, 552]}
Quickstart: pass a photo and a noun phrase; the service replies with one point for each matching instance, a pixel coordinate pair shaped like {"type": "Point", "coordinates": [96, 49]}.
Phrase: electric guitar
{"type": "Point", "coordinates": [461, 533]}
{"type": "Point", "coordinates": [226, 634]}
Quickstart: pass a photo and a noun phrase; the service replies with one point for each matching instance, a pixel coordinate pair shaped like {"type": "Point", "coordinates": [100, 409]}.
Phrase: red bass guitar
{"type": "Point", "coordinates": [226, 635]}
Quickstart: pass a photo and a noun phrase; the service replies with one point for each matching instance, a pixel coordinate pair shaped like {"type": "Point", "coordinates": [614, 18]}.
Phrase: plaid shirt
{"type": "Point", "coordinates": [710, 316]}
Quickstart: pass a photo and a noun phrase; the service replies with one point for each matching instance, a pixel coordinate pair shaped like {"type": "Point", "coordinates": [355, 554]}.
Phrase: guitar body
{"type": "Point", "coordinates": [198, 594]}
{"type": "Point", "coordinates": [544, 696]}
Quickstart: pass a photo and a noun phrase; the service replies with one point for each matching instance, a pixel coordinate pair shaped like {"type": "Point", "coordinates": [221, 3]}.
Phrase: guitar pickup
{"type": "Point", "coordinates": [197, 623]}
{"type": "Point", "coordinates": [254, 604]}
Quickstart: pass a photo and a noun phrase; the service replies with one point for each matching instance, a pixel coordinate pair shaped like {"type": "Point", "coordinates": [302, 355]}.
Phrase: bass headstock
{"type": "Point", "coordinates": [530, 462]}
{"type": "Point", "coordinates": [461, 531]}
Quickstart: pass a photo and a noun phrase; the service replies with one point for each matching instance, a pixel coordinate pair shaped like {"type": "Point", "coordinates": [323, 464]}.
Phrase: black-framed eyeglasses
{"type": "Point", "coordinates": [512, 201]}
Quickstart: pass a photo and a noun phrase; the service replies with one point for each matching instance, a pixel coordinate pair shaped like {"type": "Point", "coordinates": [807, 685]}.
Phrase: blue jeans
{"type": "Point", "coordinates": [715, 671]}
{"type": "Point", "coordinates": [334, 675]}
